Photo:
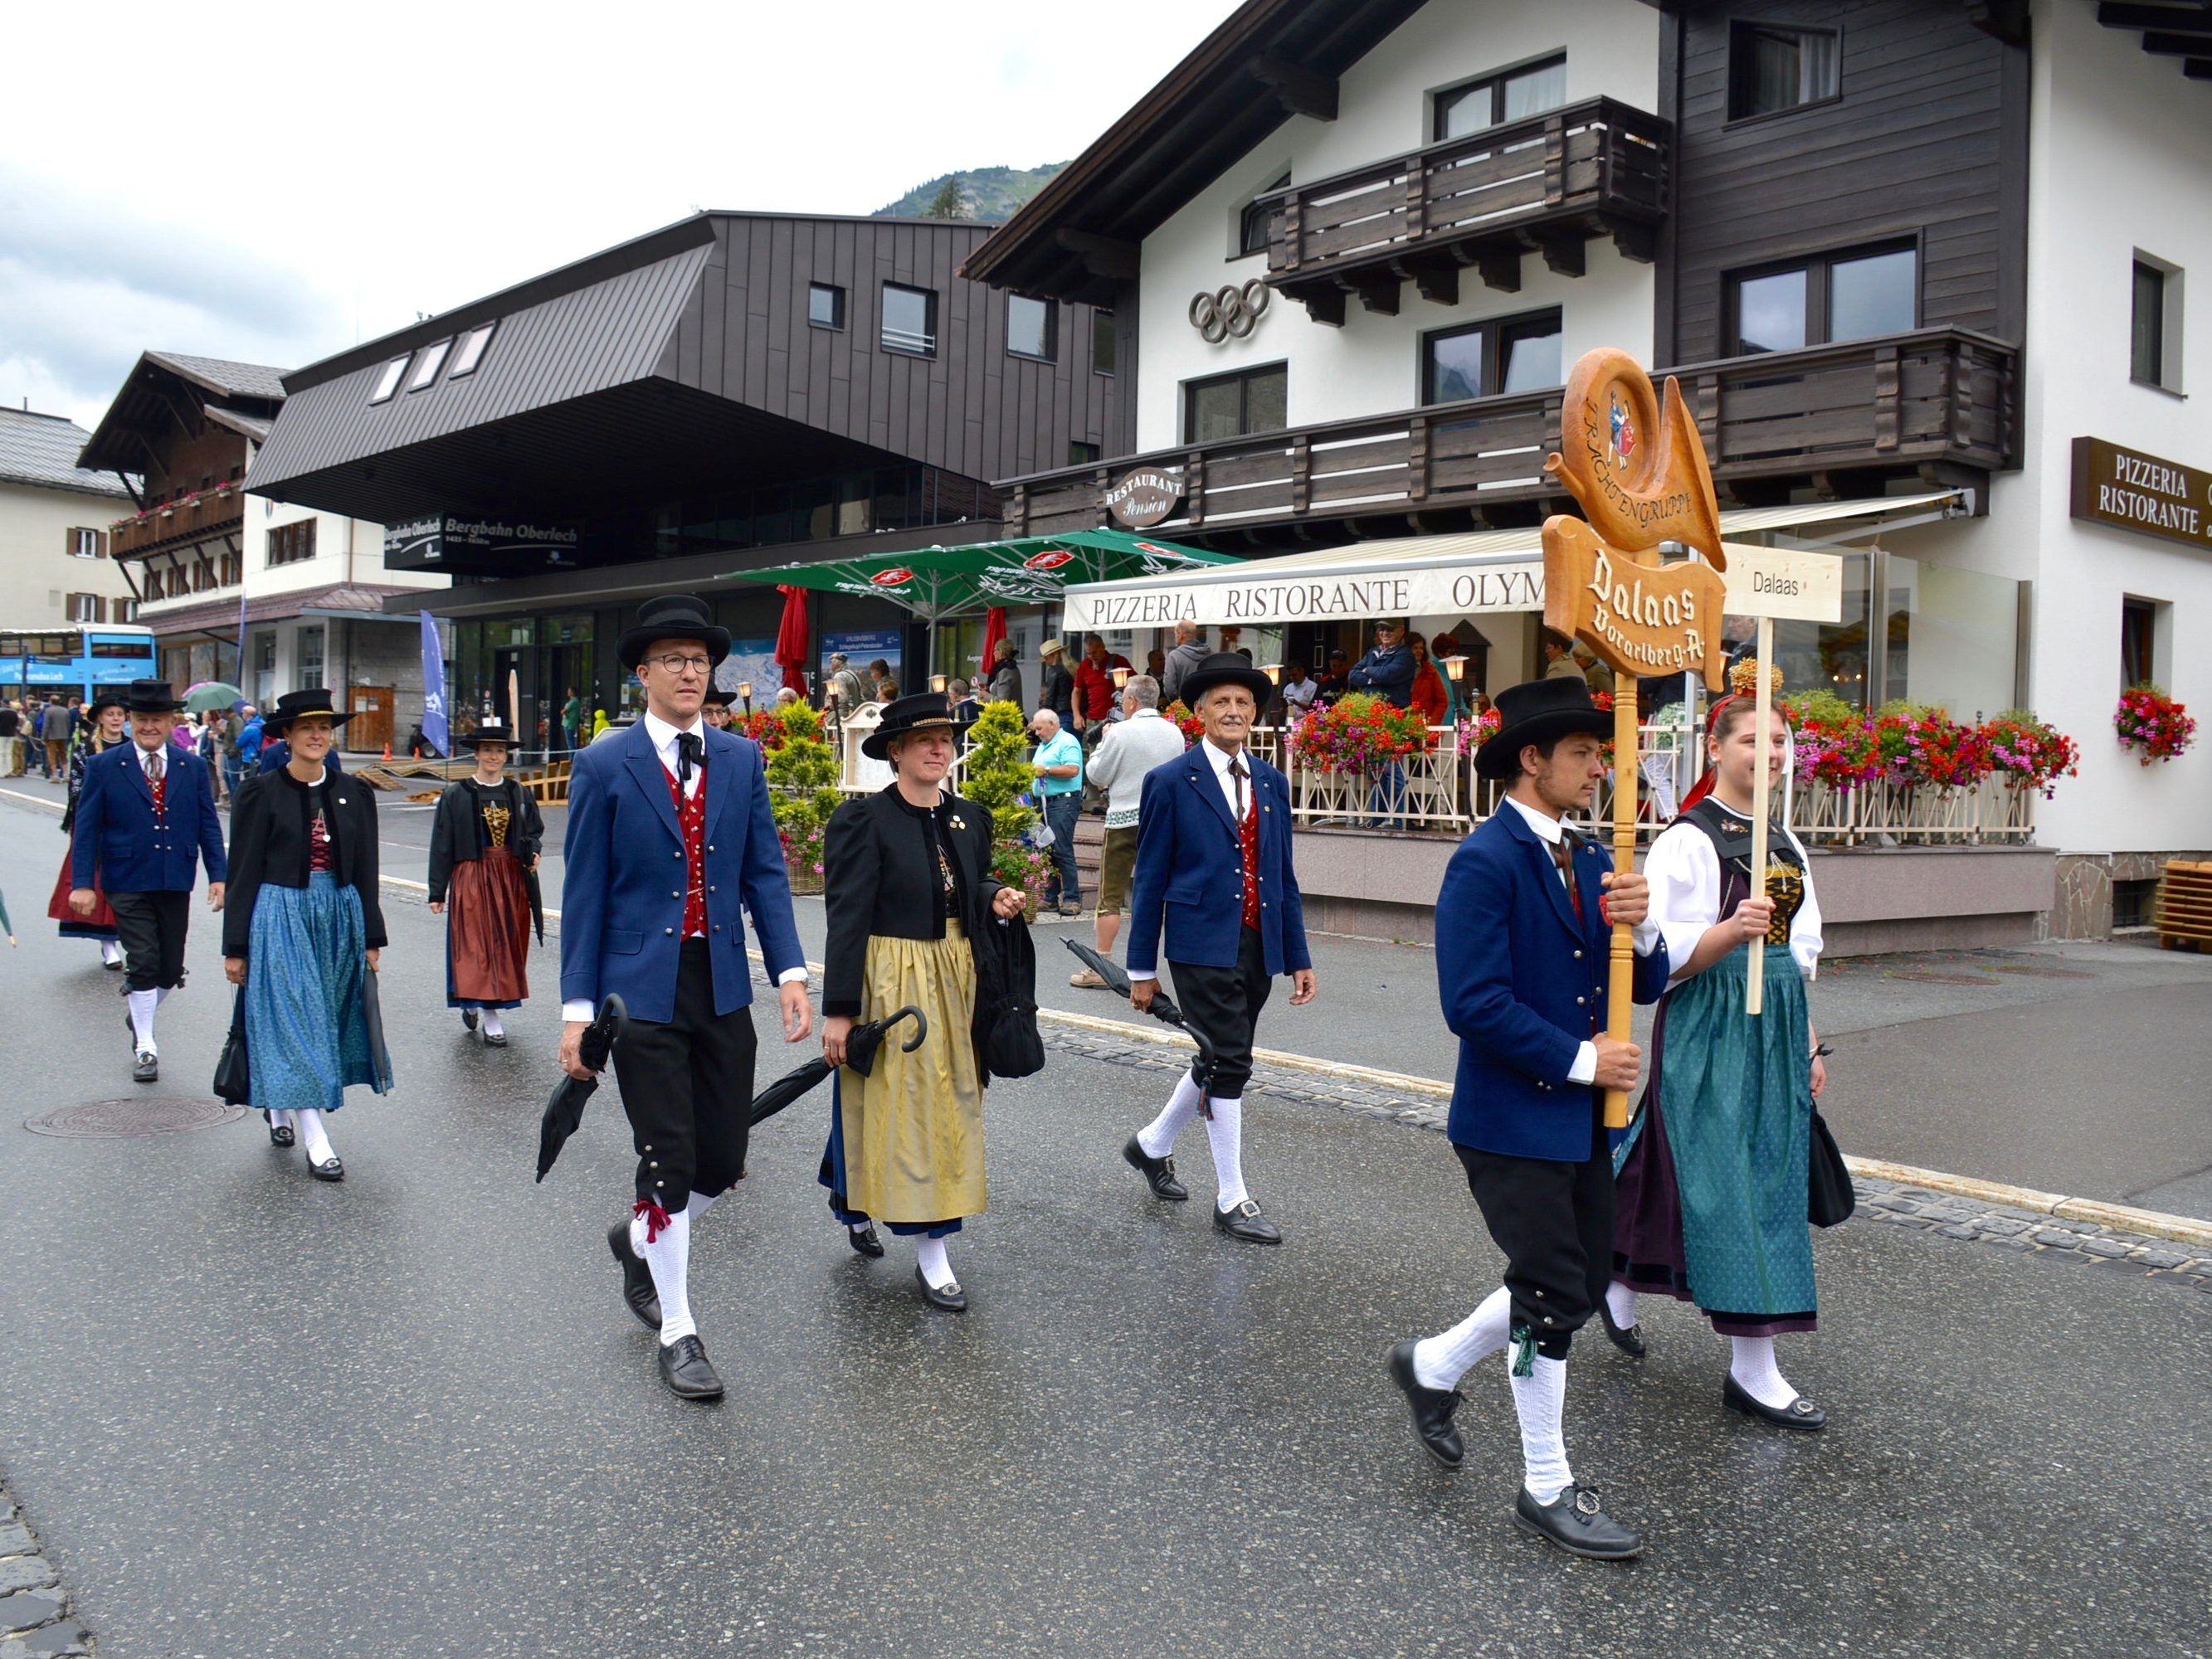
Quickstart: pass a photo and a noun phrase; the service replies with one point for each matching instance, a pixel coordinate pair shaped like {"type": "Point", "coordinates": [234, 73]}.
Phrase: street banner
{"type": "Point", "coordinates": [433, 687]}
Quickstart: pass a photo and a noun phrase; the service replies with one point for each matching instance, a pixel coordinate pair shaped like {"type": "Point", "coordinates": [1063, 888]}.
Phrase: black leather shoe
{"type": "Point", "coordinates": [494, 1039]}
{"type": "Point", "coordinates": [951, 1299]}
{"type": "Point", "coordinates": [638, 1294]}
{"type": "Point", "coordinates": [468, 1020]}
{"type": "Point", "coordinates": [864, 1239]}
{"type": "Point", "coordinates": [330, 1169]}
{"type": "Point", "coordinates": [280, 1135]}
{"type": "Point", "coordinates": [146, 1068]}
{"type": "Point", "coordinates": [687, 1371]}
{"type": "Point", "coordinates": [1576, 1524]}
{"type": "Point", "coordinates": [1629, 1338]}
{"type": "Point", "coordinates": [1799, 1413]}
{"type": "Point", "coordinates": [1158, 1172]}
{"type": "Point", "coordinates": [1245, 1222]}
{"type": "Point", "coordinates": [1432, 1409]}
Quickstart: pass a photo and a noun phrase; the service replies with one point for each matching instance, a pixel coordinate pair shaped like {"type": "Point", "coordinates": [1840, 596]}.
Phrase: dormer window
{"type": "Point", "coordinates": [427, 365]}
{"type": "Point", "coordinates": [470, 351]}
{"type": "Point", "coordinates": [388, 382]}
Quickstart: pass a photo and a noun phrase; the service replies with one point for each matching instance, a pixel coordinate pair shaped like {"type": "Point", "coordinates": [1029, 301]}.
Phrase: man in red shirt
{"type": "Point", "coordinates": [1094, 687]}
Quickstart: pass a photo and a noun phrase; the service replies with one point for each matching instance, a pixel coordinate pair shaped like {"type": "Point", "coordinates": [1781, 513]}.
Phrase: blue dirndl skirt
{"type": "Point", "coordinates": [306, 1036]}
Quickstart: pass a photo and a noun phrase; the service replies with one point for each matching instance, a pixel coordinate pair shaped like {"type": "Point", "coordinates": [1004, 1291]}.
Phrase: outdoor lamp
{"type": "Point", "coordinates": [1456, 667]}
{"type": "Point", "coordinates": [1274, 670]}
{"type": "Point", "coordinates": [1120, 678]}
{"type": "Point", "coordinates": [745, 690]}
{"type": "Point", "coordinates": [937, 684]}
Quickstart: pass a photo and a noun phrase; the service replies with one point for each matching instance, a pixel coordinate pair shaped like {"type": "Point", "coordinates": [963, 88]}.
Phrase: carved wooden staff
{"type": "Point", "coordinates": [1620, 995]}
{"type": "Point", "coordinates": [1754, 993]}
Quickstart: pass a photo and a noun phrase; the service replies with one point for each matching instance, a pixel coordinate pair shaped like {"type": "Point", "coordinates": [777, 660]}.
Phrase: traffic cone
{"type": "Point", "coordinates": [387, 751]}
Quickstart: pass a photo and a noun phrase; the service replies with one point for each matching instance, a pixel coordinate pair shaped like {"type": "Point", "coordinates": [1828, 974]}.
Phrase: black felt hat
{"type": "Point", "coordinates": [107, 696]}
{"type": "Point", "coordinates": [672, 616]}
{"type": "Point", "coordinates": [298, 705]}
{"type": "Point", "coordinates": [1225, 668]}
{"type": "Point", "coordinates": [490, 731]}
{"type": "Point", "coordinates": [716, 695]}
{"type": "Point", "coordinates": [918, 711]}
{"type": "Point", "coordinates": [150, 697]}
{"type": "Point", "coordinates": [1538, 712]}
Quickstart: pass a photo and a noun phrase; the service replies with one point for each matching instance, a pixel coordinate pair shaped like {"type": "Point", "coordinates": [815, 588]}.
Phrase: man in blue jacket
{"type": "Point", "coordinates": [670, 833]}
{"type": "Point", "coordinates": [145, 821]}
{"type": "Point", "coordinates": [1523, 926]}
{"type": "Point", "coordinates": [1214, 875]}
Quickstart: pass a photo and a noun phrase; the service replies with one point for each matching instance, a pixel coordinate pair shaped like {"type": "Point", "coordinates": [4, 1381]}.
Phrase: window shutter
{"type": "Point", "coordinates": [102, 546]}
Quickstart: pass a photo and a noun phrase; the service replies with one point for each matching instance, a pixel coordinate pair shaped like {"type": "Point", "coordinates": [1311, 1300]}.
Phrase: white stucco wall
{"type": "Point", "coordinates": [36, 571]}
{"type": "Point", "coordinates": [1372, 364]}
{"type": "Point", "coordinates": [331, 564]}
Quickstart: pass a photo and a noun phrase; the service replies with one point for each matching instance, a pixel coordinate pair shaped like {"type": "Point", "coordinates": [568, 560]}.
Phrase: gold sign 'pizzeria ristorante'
{"type": "Point", "coordinates": [2128, 489]}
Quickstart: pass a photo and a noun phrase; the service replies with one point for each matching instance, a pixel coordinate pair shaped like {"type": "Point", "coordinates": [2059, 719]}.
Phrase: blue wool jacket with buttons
{"type": "Point", "coordinates": [623, 876]}
{"type": "Point", "coordinates": [1189, 884]}
{"type": "Point", "coordinates": [117, 834]}
{"type": "Point", "coordinates": [1522, 980]}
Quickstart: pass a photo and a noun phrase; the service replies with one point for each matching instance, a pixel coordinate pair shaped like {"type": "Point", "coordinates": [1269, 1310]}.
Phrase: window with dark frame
{"type": "Point", "coordinates": [909, 319]}
{"type": "Point", "coordinates": [1032, 327]}
{"type": "Point", "coordinates": [388, 382]}
{"type": "Point", "coordinates": [1856, 294]}
{"type": "Point", "coordinates": [84, 543]}
{"type": "Point", "coordinates": [427, 365]}
{"type": "Point", "coordinates": [292, 544]}
{"type": "Point", "coordinates": [2147, 330]}
{"type": "Point", "coordinates": [1232, 405]}
{"type": "Point", "coordinates": [2138, 643]}
{"type": "Point", "coordinates": [1082, 454]}
{"type": "Point", "coordinates": [1509, 95]}
{"type": "Point", "coordinates": [825, 305]}
{"type": "Point", "coordinates": [1772, 68]}
{"type": "Point", "coordinates": [1488, 359]}
{"type": "Point", "coordinates": [1256, 226]}
{"type": "Point", "coordinates": [87, 608]}
{"type": "Point", "coordinates": [1102, 342]}
{"type": "Point", "coordinates": [470, 351]}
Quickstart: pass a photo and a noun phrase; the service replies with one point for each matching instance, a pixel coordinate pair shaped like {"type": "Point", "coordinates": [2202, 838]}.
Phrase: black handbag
{"type": "Point", "coordinates": [234, 1080]}
{"type": "Point", "coordinates": [1830, 1198]}
{"type": "Point", "coordinates": [1008, 1043]}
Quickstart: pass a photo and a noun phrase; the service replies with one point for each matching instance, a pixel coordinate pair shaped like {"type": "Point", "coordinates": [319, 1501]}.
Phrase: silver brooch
{"type": "Point", "coordinates": [958, 822]}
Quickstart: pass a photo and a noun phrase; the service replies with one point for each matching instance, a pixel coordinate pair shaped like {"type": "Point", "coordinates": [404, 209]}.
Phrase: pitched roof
{"type": "Point", "coordinates": [41, 450]}
{"type": "Point", "coordinates": [144, 414]}
{"type": "Point", "coordinates": [221, 376]}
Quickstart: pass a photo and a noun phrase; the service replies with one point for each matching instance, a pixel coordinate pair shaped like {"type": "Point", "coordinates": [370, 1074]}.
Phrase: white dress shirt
{"type": "Point", "coordinates": [664, 735]}
{"type": "Point", "coordinates": [1220, 759]}
{"type": "Point", "coordinates": [147, 756]}
{"type": "Point", "coordinates": [1647, 933]}
{"type": "Point", "coordinates": [1685, 871]}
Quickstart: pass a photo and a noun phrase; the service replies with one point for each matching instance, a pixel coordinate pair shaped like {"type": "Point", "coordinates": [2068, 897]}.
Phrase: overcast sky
{"type": "Point", "coordinates": [271, 183]}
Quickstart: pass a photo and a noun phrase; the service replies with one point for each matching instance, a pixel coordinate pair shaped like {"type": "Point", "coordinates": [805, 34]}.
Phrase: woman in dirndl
{"type": "Point", "coordinates": [105, 726]}
{"type": "Point", "coordinates": [484, 847]}
{"type": "Point", "coordinates": [907, 884]}
{"type": "Point", "coordinates": [302, 931]}
{"type": "Point", "coordinates": [1710, 1190]}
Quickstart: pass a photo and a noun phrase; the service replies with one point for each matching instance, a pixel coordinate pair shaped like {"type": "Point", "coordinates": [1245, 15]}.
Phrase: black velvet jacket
{"type": "Point", "coordinates": [880, 876]}
{"type": "Point", "coordinates": [456, 833]}
{"type": "Point", "coordinates": [269, 848]}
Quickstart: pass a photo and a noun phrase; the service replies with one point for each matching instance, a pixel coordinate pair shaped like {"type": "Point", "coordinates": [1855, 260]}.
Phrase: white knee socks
{"type": "Point", "coordinates": [143, 1004]}
{"type": "Point", "coordinates": [491, 1026]}
{"type": "Point", "coordinates": [1224, 1134]}
{"type": "Point", "coordinates": [931, 1259]}
{"type": "Point", "coordinates": [1539, 1400]}
{"type": "Point", "coordinates": [669, 1256]}
{"type": "Point", "coordinates": [1756, 1373]}
{"type": "Point", "coordinates": [110, 951]}
{"type": "Point", "coordinates": [1157, 1138]}
{"type": "Point", "coordinates": [1620, 1302]}
{"type": "Point", "coordinates": [1439, 1362]}
{"type": "Point", "coordinates": [312, 1136]}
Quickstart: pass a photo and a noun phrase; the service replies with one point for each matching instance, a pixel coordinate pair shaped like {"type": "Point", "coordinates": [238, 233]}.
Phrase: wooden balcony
{"type": "Point", "coordinates": [1545, 185]}
{"type": "Point", "coordinates": [1941, 404]}
{"type": "Point", "coordinates": [212, 513]}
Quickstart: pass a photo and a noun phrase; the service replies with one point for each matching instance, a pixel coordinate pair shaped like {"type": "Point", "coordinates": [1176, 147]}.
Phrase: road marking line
{"type": "Point", "coordinates": [35, 801]}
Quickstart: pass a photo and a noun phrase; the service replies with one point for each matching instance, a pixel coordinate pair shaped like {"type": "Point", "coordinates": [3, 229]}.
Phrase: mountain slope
{"type": "Point", "coordinates": [990, 195]}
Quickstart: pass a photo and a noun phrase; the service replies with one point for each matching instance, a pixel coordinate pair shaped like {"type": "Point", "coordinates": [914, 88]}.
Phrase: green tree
{"type": "Point", "coordinates": [951, 202]}
{"type": "Point", "coordinates": [802, 773]}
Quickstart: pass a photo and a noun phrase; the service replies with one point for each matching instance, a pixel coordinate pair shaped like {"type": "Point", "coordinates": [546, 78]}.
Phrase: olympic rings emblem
{"type": "Point", "coordinates": [1232, 310]}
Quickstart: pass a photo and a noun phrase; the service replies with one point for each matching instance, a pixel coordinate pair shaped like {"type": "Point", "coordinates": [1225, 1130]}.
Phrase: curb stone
{"type": "Point", "coordinates": [33, 1606]}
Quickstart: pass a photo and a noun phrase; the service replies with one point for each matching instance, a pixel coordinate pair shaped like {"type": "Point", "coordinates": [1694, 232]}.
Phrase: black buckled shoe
{"type": "Point", "coordinates": [468, 1020]}
{"type": "Point", "coordinates": [330, 1169]}
{"type": "Point", "coordinates": [951, 1299]}
{"type": "Point", "coordinates": [1577, 1524]}
{"type": "Point", "coordinates": [494, 1039]}
{"type": "Point", "coordinates": [638, 1294]}
{"type": "Point", "coordinates": [1158, 1172]}
{"type": "Point", "coordinates": [1432, 1409]}
{"type": "Point", "coordinates": [687, 1371]}
{"type": "Point", "coordinates": [280, 1135]}
{"type": "Point", "coordinates": [1629, 1338]}
{"type": "Point", "coordinates": [146, 1067]}
{"type": "Point", "coordinates": [1244, 1221]}
{"type": "Point", "coordinates": [1799, 1413]}
{"type": "Point", "coordinates": [865, 1240]}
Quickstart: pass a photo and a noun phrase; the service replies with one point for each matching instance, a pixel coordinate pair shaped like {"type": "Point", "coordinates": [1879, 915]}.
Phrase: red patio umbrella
{"type": "Point", "coordinates": [994, 629]}
{"type": "Point", "coordinates": [791, 639]}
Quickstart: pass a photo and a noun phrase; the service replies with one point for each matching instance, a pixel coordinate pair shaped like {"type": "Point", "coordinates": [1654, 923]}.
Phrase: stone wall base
{"type": "Point", "coordinates": [2083, 907]}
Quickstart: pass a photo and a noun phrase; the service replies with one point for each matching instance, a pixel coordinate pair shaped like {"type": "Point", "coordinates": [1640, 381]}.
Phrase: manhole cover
{"type": "Point", "coordinates": [1949, 979]}
{"type": "Point", "coordinates": [139, 1115]}
{"type": "Point", "coordinates": [2043, 973]}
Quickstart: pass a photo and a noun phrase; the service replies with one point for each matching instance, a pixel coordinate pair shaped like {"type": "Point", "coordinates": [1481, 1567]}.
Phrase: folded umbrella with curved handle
{"type": "Point", "coordinates": [565, 1110]}
{"type": "Point", "coordinates": [860, 1047]}
{"type": "Point", "coordinates": [1163, 1008]}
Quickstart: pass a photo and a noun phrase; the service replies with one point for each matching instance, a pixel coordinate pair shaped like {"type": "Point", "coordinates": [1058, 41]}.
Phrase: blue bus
{"type": "Point", "coordinates": [73, 657]}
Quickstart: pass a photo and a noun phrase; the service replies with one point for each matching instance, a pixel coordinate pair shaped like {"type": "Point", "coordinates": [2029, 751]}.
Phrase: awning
{"type": "Point", "coordinates": [940, 582]}
{"type": "Point", "coordinates": [1465, 575]}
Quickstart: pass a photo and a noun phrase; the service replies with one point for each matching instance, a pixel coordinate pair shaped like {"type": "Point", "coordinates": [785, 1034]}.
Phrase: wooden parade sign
{"type": "Point", "coordinates": [1640, 474]}
{"type": "Point", "coordinates": [1643, 619]}
{"type": "Point", "coordinates": [1781, 584]}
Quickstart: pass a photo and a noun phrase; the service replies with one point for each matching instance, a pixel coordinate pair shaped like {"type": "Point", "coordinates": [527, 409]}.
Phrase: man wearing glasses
{"type": "Point", "coordinates": [669, 835]}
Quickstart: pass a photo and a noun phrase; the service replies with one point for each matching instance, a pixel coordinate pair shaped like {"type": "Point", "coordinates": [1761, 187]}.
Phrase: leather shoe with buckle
{"type": "Point", "coordinates": [638, 1294]}
{"type": "Point", "coordinates": [330, 1169]}
{"type": "Point", "coordinates": [952, 1297]}
{"type": "Point", "coordinates": [1577, 1524]}
{"type": "Point", "coordinates": [1158, 1172]}
{"type": "Point", "coordinates": [1629, 1338]}
{"type": "Point", "coordinates": [280, 1135]}
{"type": "Point", "coordinates": [1799, 1413]}
{"type": "Point", "coordinates": [1244, 1221]}
{"type": "Point", "coordinates": [468, 1020]}
{"type": "Point", "coordinates": [1432, 1409]}
{"type": "Point", "coordinates": [687, 1371]}
{"type": "Point", "coordinates": [145, 1068]}
{"type": "Point", "coordinates": [865, 1239]}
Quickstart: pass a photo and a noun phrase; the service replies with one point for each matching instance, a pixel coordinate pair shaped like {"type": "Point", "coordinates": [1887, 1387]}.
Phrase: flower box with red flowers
{"type": "Point", "coordinates": [2153, 724]}
{"type": "Point", "coordinates": [1358, 733]}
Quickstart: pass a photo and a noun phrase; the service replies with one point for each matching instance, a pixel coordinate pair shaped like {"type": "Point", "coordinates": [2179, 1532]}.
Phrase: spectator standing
{"type": "Point", "coordinates": [11, 742]}
{"type": "Point", "coordinates": [845, 687]}
{"type": "Point", "coordinates": [1331, 682]}
{"type": "Point", "coordinates": [1558, 654]}
{"type": "Point", "coordinates": [1189, 652]}
{"type": "Point", "coordinates": [882, 688]}
{"type": "Point", "coordinates": [1096, 700]}
{"type": "Point", "coordinates": [1430, 697]}
{"type": "Point", "coordinates": [62, 720]}
{"type": "Point", "coordinates": [1300, 690]}
{"type": "Point", "coordinates": [1006, 685]}
{"type": "Point", "coordinates": [1056, 690]}
{"type": "Point", "coordinates": [572, 717]}
{"type": "Point", "coordinates": [1132, 746]}
{"type": "Point", "coordinates": [1059, 765]}
{"type": "Point", "coordinates": [1387, 671]}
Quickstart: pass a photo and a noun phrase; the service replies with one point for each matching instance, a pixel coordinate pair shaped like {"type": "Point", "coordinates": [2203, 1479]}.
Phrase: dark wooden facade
{"type": "Point", "coordinates": [1926, 143]}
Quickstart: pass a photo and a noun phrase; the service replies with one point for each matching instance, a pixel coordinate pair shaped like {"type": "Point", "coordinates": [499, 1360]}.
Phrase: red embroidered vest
{"type": "Point", "coordinates": [691, 819]}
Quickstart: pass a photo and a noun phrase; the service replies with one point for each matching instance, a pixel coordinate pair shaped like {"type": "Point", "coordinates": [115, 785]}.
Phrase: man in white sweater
{"type": "Point", "coordinates": [1133, 746]}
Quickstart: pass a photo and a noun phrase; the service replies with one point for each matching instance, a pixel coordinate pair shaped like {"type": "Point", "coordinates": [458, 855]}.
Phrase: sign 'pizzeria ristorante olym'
{"type": "Point", "coordinates": [2128, 489]}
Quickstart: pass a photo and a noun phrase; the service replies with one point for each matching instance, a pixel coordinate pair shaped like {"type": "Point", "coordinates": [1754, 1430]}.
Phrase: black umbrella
{"type": "Point", "coordinates": [860, 1054]}
{"type": "Point", "coordinates": [537, 900]}
{"type": "Point", "coordinates": [1162, 1008]}
{"type": "Point", "coordinates": [565, 1109]}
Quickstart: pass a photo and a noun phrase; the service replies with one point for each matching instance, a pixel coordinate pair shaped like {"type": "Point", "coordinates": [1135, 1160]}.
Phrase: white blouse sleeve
{"type": "Point", "coordinates": [1684, 875]}
{"type": "Point", "coordinates": [1805, 939]}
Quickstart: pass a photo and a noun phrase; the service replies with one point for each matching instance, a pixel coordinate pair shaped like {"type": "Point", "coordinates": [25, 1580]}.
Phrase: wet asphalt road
{"type": "Point", "coordinates": [254, 1415]}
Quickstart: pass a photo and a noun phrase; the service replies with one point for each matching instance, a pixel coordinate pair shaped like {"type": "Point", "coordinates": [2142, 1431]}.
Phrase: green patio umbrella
{"type": "Point", "coordinates": [936, 583]}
